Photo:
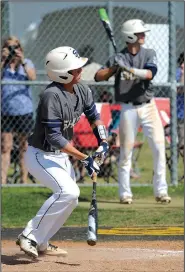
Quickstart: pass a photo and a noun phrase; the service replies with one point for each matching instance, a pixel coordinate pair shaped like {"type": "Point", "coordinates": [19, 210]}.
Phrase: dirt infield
{"type": "Point", "coordinates": [126, 256]}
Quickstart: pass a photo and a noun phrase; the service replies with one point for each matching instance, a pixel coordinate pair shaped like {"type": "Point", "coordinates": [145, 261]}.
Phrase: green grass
{"type": "Point", "coordinates": [19, 205]}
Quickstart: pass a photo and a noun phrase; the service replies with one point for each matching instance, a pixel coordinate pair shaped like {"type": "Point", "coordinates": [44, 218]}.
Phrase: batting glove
{"type": "Point", "coordinates": [120, 62]}
{"type": "Point", "coordinates": [101, 152]}
{"type": "Point", "coordinates": [90, 165]}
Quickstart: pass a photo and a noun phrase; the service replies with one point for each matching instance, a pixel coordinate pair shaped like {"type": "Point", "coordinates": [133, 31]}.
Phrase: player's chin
{"type": "Point", "coordinates": [76, 80]}
{"type": "Point", "coordinates": [141, 41]}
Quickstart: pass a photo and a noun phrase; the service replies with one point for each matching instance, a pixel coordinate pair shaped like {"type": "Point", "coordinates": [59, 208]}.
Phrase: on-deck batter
{"type": "Point", "coordinates": [59, 109]}
{"type": "Point", "coordinates": [134, 68]}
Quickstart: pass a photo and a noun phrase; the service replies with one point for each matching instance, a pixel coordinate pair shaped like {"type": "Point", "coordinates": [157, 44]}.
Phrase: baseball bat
{"type": "Point", "coordinates": [93, 217]}
{"type": "Point", "coordinates": [106, 23]}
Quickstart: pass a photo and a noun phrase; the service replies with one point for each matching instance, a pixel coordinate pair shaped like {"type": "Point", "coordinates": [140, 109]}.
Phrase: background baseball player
{"type": "Point", "coordinates": [134, 67]}
{"type": "Point", "coordinates": [46, 158]}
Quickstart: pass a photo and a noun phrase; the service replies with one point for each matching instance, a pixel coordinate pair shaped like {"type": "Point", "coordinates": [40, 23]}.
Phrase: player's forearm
{"type": "Point", "coordinates": [55, 138]}
{"type": "Point", "coordinates": [142, 73]}
{"type": "Point", "coordinates": [30, 73]}
{"type": "Point", "coordinates": [99, 131]}
{"type": "Point", "coordinates": [105, 74]}
{"type": "Point", "coordinates": [72, 151]}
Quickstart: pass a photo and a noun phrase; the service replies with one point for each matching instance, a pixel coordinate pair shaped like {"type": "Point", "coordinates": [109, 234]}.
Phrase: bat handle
{"type": "Point", "coordinates": [94, 177]}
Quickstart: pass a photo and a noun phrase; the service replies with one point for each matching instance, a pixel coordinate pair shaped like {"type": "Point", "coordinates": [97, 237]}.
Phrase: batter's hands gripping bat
{"type": "Point", "coordinates": [106, 23]}
{"type": "Point", "coordinates": [93, 216]}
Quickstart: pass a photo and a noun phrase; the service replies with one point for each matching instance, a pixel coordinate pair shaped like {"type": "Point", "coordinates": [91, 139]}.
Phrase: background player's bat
{"type": "Point", "coordinates": [93, 217]}
{"type": "Point", "coordinates": [106, 23]}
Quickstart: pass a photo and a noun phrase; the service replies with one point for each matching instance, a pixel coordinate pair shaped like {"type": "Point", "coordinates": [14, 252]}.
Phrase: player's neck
{"type": "Point", "coordinates": [134, 48]}
{"type": "Point", "coordinates": [69, 87]}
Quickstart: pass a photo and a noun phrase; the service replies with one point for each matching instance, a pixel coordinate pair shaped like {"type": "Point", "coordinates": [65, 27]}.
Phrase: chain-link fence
{"type": "Point", "coordinates": [81, 28]}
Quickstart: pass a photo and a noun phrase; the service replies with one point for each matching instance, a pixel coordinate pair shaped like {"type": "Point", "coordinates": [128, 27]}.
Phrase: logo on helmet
{"type": "Point", "coordinates": [76, 53]}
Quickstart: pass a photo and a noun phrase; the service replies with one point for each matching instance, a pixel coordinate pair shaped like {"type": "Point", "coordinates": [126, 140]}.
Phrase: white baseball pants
{"type": "Point", "coordinates": [56, 173]}
{"type": "Point", "coordinates": [148, 117]}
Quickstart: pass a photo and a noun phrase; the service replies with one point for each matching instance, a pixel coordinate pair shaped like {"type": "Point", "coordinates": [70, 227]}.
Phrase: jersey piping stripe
{"type": "Point", "coordinates": [53, 201]}
{"type": "Point", "coordinates": [90, 107]}
{"type": "Point", "coordinates": [150, 65]}
{"type": "Point", "coordinates": [52, 125]}
{"type": "Point", "coordinates": [92, 113]}
{"type": "Point", "coordinates": [52, 121]}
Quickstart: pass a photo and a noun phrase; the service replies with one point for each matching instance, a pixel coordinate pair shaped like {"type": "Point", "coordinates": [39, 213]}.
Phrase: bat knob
{"type": "Point", "coordinates": [91, 242]}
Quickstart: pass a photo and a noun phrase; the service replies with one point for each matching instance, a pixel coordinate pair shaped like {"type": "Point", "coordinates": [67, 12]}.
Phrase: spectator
{"type": "Point", "coordinates": [180, 101]}
{"type": "Point", "coordinates": [16, 107]}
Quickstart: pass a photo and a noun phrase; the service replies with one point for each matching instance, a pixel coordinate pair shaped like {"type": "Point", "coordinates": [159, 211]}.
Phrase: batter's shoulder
{"type": "Point", "coordinates": [124, 50]}
{"type": "Point", "coordinates": [52, 90]}
{"type": "Point", "coordinates": [149, 51]}
{"type": "Point", "coordinates": [83, 88]}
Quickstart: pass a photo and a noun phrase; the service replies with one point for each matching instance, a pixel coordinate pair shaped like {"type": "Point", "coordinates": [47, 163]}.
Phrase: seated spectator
{"type": "Point", "coordinates": [16, 104]}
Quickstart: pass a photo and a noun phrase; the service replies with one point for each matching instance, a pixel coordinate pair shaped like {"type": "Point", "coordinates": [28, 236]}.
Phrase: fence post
{"type": "Point", "coordinates": [5, 19]}
{"type": "Point", "coordinates": [172, 80]}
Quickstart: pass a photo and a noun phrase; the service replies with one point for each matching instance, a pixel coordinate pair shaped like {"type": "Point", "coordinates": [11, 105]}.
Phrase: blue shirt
{"type": "Point", "coordinates": [16, 99]}
{"type": "Point", "coordinates": [180, 98]}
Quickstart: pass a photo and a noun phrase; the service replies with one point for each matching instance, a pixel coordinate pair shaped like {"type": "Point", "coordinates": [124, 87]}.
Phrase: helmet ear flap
{"type": "Point", "coordinates": [63, 77]}
{"type": "Point", "coordinates": [66, 78]}
{"type": "Point", "coordinates": [129, 37]}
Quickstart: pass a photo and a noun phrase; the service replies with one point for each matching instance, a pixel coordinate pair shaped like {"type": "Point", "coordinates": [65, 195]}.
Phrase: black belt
{"type": "Point", "coordinates": [136, 103]}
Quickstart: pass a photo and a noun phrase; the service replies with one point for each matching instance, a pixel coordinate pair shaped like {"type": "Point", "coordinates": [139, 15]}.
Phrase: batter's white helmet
{"type": "Point", "coordinates": [131, 27]}
{"type": "Point", "coordinates": [60, 61]}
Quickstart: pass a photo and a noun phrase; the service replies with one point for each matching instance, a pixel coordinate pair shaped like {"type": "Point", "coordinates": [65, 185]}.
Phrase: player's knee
{"type": "Point", "coordinates": [124, 162]}
{"type": "Point", "coordinates": [159, 149]}
{"type": "Point", "coordinates": [74, 194]}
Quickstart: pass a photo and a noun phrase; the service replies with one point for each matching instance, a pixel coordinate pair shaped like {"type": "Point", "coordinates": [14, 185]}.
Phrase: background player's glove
{"type": "Point", "coordinates": [90, 165]}
{"type": "Point", "coordinates": [101, 152]}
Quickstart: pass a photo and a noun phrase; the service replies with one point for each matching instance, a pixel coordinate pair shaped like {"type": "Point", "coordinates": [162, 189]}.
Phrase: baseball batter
{"type": "Point", "coordinates": [46, 158]}
{"type": "Point", "coordinates": [134, 68]}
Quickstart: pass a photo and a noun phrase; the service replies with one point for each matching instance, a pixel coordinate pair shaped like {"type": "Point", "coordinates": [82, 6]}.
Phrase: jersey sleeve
{"type": "Point", "coordinates": [110, 62]}
{"type": "Point", "coordinates": [151, 62]}
{"type": "Point", "coordinates": [90, 108]}
{"type": "Point", "coordinates": [51, 118]}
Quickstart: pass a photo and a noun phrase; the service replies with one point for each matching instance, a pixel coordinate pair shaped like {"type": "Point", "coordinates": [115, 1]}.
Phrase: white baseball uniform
{"type": "Point", "coordinates": [138, 109]}
{"type": "Point", "coordinates": [57, 113]}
